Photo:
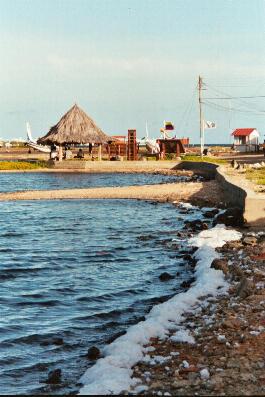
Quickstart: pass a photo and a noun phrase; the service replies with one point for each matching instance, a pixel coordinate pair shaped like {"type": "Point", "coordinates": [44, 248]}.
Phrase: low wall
{"type": "Point", "coordinates": [233, 194]}
{"type": "Point", "coordinates": [113, 166]}
{"type": "Point", "coordinates": [199, 167]}
{"type": "Point", "coordinates": [237, 191]}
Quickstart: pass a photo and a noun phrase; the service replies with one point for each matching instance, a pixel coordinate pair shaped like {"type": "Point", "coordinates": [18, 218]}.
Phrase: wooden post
{"type": "Point", "coordinates": [100, 152]}
{"type": "Point", "coordinates": [60, 154]}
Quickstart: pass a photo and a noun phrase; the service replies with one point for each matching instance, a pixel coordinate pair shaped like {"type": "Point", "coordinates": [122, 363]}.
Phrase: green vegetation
{"type": "Point", "coordinates": [22, 165]}
{"type": "Point", "coordinates": [256, 176]}
{"type": "Point", "coordinates": [214, 160]}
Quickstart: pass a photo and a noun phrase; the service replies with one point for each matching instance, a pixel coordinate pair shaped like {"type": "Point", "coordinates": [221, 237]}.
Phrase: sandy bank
{"type": "Point", "coordinates": [194, 191]}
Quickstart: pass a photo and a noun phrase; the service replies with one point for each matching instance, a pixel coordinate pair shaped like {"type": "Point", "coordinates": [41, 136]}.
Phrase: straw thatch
{"type": "Point", "coordinates": [75, 127]}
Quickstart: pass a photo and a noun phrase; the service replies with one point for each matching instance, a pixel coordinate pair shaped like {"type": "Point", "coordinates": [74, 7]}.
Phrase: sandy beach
{"type": "Point", "coordinates": [207, 192]}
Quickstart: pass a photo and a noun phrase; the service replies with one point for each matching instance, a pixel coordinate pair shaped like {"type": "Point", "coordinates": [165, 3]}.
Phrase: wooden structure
{"type": "Point", "coordinates": [185, 141]}
{"type": "Point", "coordinates": [170, 146]}
{"type": "Point", "coordinates": [132, 146]}
{"type": "Point", "coordinates": [117, 147]}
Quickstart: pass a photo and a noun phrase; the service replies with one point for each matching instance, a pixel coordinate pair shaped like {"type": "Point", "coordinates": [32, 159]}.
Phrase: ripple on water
{"type": "Point", "coordinates": [85, 286]}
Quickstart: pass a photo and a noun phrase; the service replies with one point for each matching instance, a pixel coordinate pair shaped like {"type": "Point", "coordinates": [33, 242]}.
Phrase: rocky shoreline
{"type": "Point", "coordinates": [224, 349]}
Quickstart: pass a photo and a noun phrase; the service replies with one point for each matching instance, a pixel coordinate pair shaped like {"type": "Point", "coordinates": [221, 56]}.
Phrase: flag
{"type": "Point", "coordinates": [168, 126]}
{"type": "Point", "coordinates": [209, 124]}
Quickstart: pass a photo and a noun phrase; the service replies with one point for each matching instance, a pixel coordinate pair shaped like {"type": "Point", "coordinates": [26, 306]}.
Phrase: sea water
{"type": "Point", "coordinates": [18, 181]}
{"type": "Point", "coordinates": [77, 273]}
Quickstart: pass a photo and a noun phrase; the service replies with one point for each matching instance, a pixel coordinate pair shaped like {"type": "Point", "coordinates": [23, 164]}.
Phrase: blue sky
{"type": "Point", "coordinates": [126, 62]}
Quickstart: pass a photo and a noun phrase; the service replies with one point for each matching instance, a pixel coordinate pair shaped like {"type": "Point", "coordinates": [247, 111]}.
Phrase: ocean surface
{"type": "Point", "coordinates": [19, 181]}
{"type": "Point", "coordinates": [76, 274]}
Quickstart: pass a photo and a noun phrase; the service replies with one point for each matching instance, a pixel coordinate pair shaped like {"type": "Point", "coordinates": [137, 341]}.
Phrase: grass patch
{"type": "Point", "coordinates": [22, 165]}
{"type": "Point", "coordinates": [204, 158]}
{"type": "Point", "coordinates": [256, 176]}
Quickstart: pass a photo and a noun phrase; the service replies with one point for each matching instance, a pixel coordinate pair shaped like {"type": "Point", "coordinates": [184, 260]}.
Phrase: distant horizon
{"type": "Point", "coordinates": [128, 62]}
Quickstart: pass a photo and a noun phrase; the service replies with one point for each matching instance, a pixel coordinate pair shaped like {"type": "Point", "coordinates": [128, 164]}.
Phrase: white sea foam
{"type": "Point", "coordinates": [113, 373]}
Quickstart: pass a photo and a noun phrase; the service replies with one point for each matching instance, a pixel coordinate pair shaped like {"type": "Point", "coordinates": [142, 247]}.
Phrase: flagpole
{"type": "Point", "coordinates": [201, 116]}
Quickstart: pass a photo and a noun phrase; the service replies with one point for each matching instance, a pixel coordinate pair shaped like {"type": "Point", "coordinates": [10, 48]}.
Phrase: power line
{"type": "Point", "coordinates": [238, 97]}
{"type": "Point", "coordinates": [224, 108]}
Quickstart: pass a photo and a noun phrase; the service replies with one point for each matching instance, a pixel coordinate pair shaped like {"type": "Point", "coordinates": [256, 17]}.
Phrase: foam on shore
{"type": "Point", "coordinates": [113, 373]}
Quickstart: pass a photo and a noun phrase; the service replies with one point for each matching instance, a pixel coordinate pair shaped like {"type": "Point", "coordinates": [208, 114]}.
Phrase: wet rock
{"type": "Point", "coordinates": [55, 376]}
{"type": "Point", "coordinates": [144, 237]}
{"type": "Point", "coordinates": [220, 264]}
{"type": "Point", "coordinates": [196, 225]}
{"type": "Point", "coordinates": [250, 240]}
{"type": "Point", "coordinates": [187, 257]}
{"type": "Point", "coordinates": [211, 213]}
{"type": "Point", "coordinates": [187, 284]}
{"type": "Point", "coordinates": [93, 353]}
{"type": "Point", "coordinates": [231, 217]}
{"type": "Point", "coordinates": [58, 341]}
{"type": "Point", "coordinates": [245, 288]}
{"type": "Point", "coordinates": [165, 276]}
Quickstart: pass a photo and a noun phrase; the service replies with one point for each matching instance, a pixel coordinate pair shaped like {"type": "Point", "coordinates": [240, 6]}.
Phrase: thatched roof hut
{"type": "Point", "coordinates": [75, 127]}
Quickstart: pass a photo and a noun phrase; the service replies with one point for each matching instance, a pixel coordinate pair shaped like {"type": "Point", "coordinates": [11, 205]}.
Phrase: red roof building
{"type": "Point", "coordinates": [246, 139]}
{"type": "Point", "coordinates": [243, 131]}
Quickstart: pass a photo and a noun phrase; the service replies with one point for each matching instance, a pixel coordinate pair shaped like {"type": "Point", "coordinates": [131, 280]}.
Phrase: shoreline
{"type": "Point", "coordinates": [116, 371]}
{"type": "Point", "coordinates": [214, 348]}
{"type": "Point", "coordinates": [226, 353]}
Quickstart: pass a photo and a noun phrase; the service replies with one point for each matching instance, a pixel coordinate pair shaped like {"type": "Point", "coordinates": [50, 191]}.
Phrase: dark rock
{"type": "Point", "coordinates": [187, 257]}
{"type": "Point", "coordinates": [55, 376]}
{"type": "Point", "coordinates": [187, 284]}
{"type": "Point", "coordinates": [231, 217]}
{"type": "Point", "coordinates": [165, 276]}
{"type": "Point", "coordinates": [58, 341]}
{"type": "Point", "coordinates": [211, 213]}
{"type": "Point", "coordinates": [220, 264]}
{"type": "Point", "coordinates": [144, 238]}
{"type": "Point", "coordinates": [195, 225]}
{"type": "Point", "coordinates": [93, 353]}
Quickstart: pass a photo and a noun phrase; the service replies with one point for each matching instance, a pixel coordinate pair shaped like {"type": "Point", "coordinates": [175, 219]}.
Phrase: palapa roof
{"type": "Point", "coordinates": [75, 127]}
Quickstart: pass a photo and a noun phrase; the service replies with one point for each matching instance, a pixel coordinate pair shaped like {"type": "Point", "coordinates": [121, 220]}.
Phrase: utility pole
{"type": "Point", "coordinates": [201, 116]}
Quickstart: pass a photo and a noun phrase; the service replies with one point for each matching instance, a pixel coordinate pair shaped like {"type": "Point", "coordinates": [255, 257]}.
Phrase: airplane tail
{"type": "Point", "coordinates": [30, 139]}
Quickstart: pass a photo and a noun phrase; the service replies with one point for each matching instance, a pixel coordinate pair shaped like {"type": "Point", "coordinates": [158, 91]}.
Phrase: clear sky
{"type": "Point", "coordinates": [126, 62]}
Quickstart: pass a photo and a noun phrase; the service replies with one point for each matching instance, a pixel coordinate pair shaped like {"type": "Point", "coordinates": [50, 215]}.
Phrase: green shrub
{"type": "Point", "coordinates": [194, 157]}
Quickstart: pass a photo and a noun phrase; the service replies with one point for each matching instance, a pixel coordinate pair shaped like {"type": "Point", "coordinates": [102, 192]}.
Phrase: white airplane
{"type": "Point", "coordinates": [33, 143]}
{"type": "Point", "coordinates": [151, 145]}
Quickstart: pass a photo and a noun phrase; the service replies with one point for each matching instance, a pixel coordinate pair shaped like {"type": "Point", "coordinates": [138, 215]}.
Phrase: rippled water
{"type": "Point", "coordinates": [10, 182]}
{"type": "Point", "coordinates": [82, 271]}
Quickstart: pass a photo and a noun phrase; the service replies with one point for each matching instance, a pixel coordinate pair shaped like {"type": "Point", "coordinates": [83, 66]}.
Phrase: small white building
{"type": "Point", "coordinates": [246, 139]}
